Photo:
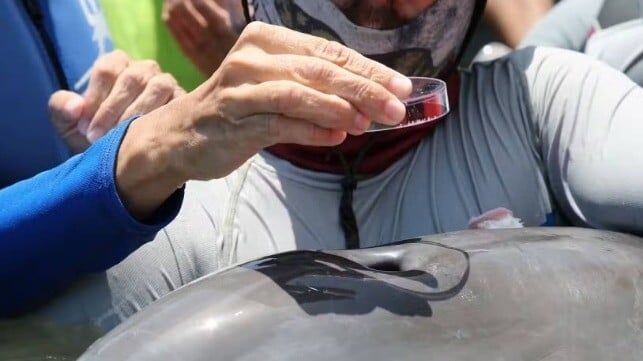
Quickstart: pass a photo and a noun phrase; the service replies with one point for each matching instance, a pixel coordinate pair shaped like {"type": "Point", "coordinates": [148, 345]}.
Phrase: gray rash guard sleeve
{"type": "Point", "coordinates": [571, 22]}
{"type": "Point", "coordinates": [589, 126]}
{"type": "Point", "coordinates": [566, 26]}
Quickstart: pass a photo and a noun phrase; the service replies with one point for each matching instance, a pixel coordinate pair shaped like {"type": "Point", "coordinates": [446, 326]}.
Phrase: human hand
{"type": "Point", "coordinates": [118, 89]}
{"type": "Point", "coordinates": [203, 29]}
{"type": "Point", "coordinates": [275, 86]}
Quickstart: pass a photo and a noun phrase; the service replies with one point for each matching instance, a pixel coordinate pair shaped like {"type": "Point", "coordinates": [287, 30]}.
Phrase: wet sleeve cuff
{"type": "Point", "coordinates": [165, 213]}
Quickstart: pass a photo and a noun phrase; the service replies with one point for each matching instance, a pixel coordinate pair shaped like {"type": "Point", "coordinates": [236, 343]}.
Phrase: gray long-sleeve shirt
{"type": "Point", "coordinates": [608, 30]}
{"type": "Point", "coordinates": [538, 131]}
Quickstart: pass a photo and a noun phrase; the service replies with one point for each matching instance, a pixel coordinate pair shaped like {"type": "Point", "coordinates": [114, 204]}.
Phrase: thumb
{"type": "Point", "coordinates": [65, 111]}
{"type": "Point", "coordinates": [65, 108]}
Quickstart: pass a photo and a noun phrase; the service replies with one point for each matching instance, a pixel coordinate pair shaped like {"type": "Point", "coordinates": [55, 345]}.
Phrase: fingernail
{"type": "Point", "coordinates": [362, 122]}
{"type": "Point", "coordinates": [74, 107]}
{"type": "Point", "coordinates": [94, 133]}
{"type": "Point", "coordinates": [395, 111]}
{"type": "Point", "coordinates": [82, 126]}
{"type": "Point", "coordinates": [401, 86]}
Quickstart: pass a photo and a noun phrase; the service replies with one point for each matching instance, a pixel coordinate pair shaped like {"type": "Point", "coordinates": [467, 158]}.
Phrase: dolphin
{"type": "Point", "coordinates": [512, 294]}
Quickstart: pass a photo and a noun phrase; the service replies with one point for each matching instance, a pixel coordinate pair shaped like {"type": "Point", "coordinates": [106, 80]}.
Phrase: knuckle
{"type": "Point", "coordinates": [227, 101]}
{"type": "Point", "coordinates": [132, 79]}
{"type": "Point", "coordinates": [272, 127]}
{"type": "Point", "coordinates": [370, 71]}
{"type": "Point", "coordinates": [117, 56]}
{"type": "Point", "coordinates": [339, 109]}
{"type": "Point", "coordinates": [104, 71]}
{"type": "Point", "coordinates": [257, 30]}
{"type": "Point", "coordinates": [254, 28]}
{"type": "Point", "coordinates": [286, 97]}
{"type": "Point", "coordinates": [163, 83]}
{"type": "Point", "coordinates": [363, 90]}
{"type": "Point", "coordinates": [318, 71]}
{"type": "Point", "coordinates": [166, 80]}
{"type": "Point", "coordinates": [106, 115]}
{"type": "Point", "coordinates": [108, 67]}
{"type": "Point", "coordinates": [310, 133]}
{"type": "Point", "coordinates": [335, 52]}
{"type": "Point", "coordinates": [243, 37]}
{"type": "Point", "coordinates": [237, 62]}
{"type": "Point", "coordinates": [150, 66]}
{"type": "Point", "coordinates": [178, 92]}
{"type": "Point", "coordinates": [267, 128]}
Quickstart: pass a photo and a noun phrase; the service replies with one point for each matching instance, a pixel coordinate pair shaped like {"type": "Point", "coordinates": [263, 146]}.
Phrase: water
{"type": "Point", "coordinates": [35, 340]}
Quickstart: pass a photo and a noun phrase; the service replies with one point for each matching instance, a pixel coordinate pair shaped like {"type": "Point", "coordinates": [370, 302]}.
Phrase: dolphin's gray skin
{"type": "Point", "coordinates": [523, 294]}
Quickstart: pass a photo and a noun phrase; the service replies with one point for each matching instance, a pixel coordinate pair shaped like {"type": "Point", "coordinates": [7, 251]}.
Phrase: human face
{"type": "Point", "coordinates": [414, 37]}
{"type": "Point", "coordinates": [382, 14]}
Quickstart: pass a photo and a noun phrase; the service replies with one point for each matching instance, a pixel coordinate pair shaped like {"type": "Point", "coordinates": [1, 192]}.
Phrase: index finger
{"type": "Point", "coordinates": [104, 74]}
{"type": "Point", "coordinates": [280, 40]}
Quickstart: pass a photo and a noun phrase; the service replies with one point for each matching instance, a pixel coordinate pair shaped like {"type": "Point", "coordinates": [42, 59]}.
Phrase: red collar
{"type": "Point", "coordinates": [388, 147]}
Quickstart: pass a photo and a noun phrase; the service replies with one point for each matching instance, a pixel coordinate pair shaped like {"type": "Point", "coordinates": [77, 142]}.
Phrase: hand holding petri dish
{"type": "Point", "coordinates": [428, 102]}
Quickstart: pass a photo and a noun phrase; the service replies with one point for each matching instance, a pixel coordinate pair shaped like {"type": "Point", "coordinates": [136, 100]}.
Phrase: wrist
{"type": "Point", "coordinates": [146, 173]}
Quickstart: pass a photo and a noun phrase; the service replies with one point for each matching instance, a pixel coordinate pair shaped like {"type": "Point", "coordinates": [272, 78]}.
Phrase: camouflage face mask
{"type": "Point", "coordinates": [422, 47]}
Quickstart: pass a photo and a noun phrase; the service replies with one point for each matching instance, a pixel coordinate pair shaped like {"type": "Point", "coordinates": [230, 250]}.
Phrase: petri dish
{"type": "Point", "coordinates": [428, 102]}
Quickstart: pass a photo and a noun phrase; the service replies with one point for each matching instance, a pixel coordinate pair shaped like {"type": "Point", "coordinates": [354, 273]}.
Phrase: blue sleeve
{"type": "Point", "coordinates": [67, 222]}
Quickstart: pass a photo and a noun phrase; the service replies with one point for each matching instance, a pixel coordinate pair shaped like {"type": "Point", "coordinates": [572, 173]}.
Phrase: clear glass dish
{"type": "Point", "coordinates": [428, 102]}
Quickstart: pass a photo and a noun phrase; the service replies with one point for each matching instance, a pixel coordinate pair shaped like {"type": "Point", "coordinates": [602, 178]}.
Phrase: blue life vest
{"type": "Point", "coordinates": [45, 45]}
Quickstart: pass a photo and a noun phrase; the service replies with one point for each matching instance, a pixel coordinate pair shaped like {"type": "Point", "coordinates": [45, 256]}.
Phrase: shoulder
{"type": "Point", "coordinates": [533, 64]}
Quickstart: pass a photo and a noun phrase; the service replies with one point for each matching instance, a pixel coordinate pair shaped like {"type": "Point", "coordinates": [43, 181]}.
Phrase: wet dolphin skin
{"type": "Point", "coordinates": [520, 294]}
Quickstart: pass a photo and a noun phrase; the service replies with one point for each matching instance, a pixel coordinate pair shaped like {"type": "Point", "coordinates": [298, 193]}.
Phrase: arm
{"type": "Point", "coordinates": [67, 222]}
{"type": "Point", "coordinates": [587, 117]}
{"type": "Point", "coordinates": [568, 25]}
{"type": "Point", "coordinates": [512, 19]}
{"type": "Point", "coordinates": [276, 86]}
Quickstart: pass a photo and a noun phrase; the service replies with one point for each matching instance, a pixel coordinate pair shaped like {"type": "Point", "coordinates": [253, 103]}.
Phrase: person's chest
{"type": "Point", "coordinates": [276, 207]}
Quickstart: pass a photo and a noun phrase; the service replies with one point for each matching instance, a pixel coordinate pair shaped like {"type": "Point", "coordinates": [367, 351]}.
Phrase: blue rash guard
{"type": "Point", "coordinates": [45, 45]}
{"type": "Point", "coordinates": [67, 222]}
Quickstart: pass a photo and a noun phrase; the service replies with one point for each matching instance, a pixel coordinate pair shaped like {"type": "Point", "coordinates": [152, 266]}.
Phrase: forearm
{"type": "Point", "coordinates": [567, 25]}
{"type": "Point", "coordinates": [513, 19]}
{"type": "Point", "coordinates": [147, 170]}
{"type": "Point", "coordinates": [588, 116]}
{"type": "Point", "coordinates": [67, 222]}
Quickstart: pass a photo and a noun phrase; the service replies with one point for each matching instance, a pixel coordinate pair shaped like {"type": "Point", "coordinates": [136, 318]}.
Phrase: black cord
{"type": "Point", "coordinates": [347, 217]}
{"type": "Point", "coordinates": [246, 11]}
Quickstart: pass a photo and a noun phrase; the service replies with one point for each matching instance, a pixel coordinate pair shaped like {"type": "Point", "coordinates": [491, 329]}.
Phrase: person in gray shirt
{"type": "Point", "coordinates": [550, 134]}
